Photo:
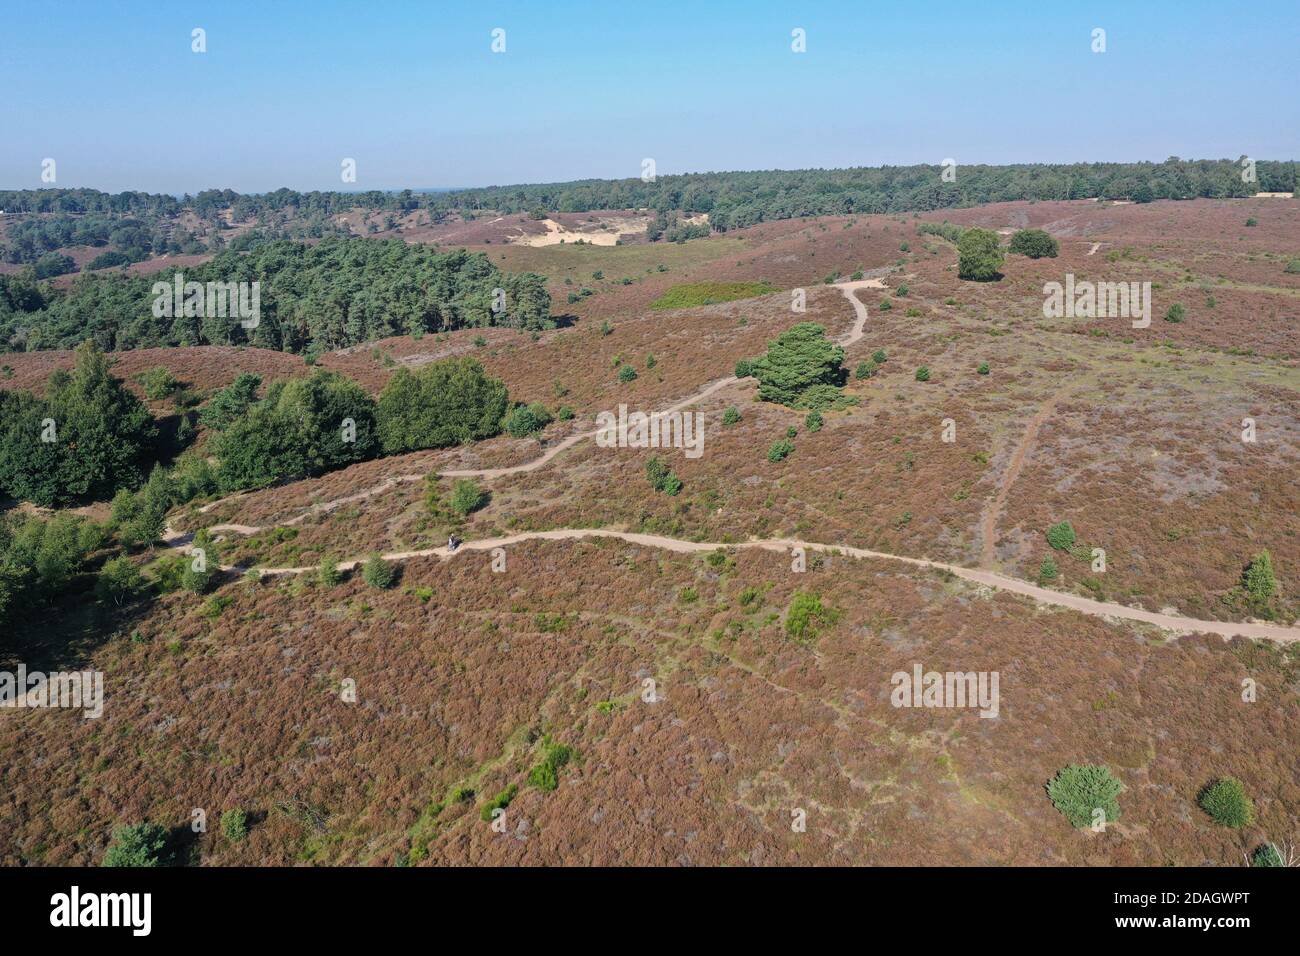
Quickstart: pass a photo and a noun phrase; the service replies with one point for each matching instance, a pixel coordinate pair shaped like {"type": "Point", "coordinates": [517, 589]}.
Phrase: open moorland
{"type": "Point", "coordinates": [717, 662]}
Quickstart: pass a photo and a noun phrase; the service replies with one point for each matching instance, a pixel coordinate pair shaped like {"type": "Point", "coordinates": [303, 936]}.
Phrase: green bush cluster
{"type": "Point", "coordinates": [1079, 790]}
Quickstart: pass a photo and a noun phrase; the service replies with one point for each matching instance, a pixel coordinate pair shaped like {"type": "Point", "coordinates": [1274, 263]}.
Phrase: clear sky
{"type": "Point", "coordinates": [412, 91]}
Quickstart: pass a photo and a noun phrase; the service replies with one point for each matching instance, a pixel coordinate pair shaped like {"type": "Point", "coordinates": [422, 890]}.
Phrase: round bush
{"type": "Point", "coordinates": [525, 420]}
{"type": "Point", "coordinates": [780, 450]}
{"type": "Point", "coordinates": [1078, 790]}
{"type": "Point", "coordinates": [378, 573]}
{"type": "Point", "coordinates": [1226, 802]}
{"type": "Point", "coordinates": [1034, 243]}
{"type": "Point", "coordinates": [1061, 536]}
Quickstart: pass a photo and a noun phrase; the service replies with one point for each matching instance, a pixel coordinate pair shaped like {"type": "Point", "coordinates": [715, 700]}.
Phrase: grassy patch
{"type": "Point", "coordinates": [709, 293]}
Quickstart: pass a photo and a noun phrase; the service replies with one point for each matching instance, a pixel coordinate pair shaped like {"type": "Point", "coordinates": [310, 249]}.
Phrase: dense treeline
{"type": "Point", "coordinates": [307, 426]}
{"type": "Point", "coordinates": [87, 437]}
{"type": "Point", "coordinates": [313, 297]}
{"type": "Point", "coordinates": [733, 199]}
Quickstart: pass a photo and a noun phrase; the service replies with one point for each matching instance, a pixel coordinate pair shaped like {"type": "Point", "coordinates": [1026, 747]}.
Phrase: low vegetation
{"type": "Point", "coordinates": [693, 294]}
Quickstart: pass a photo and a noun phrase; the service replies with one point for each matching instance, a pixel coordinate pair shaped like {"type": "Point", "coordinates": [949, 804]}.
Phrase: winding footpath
{"type": "Point", "coordinates": [981, 576]}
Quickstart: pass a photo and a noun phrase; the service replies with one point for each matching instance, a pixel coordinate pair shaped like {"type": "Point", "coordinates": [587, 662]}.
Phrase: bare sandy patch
{"type": "Point", "coordinates": [602, 232]}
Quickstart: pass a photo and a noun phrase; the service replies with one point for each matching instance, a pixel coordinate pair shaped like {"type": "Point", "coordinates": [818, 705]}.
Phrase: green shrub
{"type": "Point", "coordinates": [1226, 802]}
{"type": "Point", "coordinates": [731, 416]}
{"type": "Point", "coordinates": [626, 374]}
{"type": "Point", "coordinates": [157, 383]}
{"type": "Point", "coordinates": [1292, 266]}
{"type": "Point", "coordinates": [525, 420]}
{"type": "Point", "coordinates": [234, 825]}
{"type": "Point", "coordinates": [195, 581]}
{"type": "Point", "coordinates": [660, 477]}
{"type": "Point", "coordinates": [886, 305]}
{"type": "Point", "coordinates": [1078, 790]}
{"type": "Point", "coordinates": [467, 496]}
{"type": "Point", "coordinates": [1061, 536]}
{"type": "Point", "coordinates": [499, 802]}
{"type": "Point", "coordinates": [1252, 222]}
{"type": "Point", "coordinates": [297, 431]}
{"type": "Point", "coordinates": [1034, 243]}
{"type": "Point", "coordinates": [137, 845]}
{"type": "Point", "coordinates": [564, 413]}
{"type": "Point", "coordinates": [1267, 854]}
{"type": "Point", "coordinates": [378, 573]}
{"type": "Point", "coordinates": [780, 450]}
{"type": "Point", "coordinates": [806, 615]}
{"type": "Point", "coordinates": [878, 356]}
{"type": "Point", "coordinates": [650, 361]}
{"type": "Point", "coordinates": [865, 370]}
{"type": "Point", "coordinates": [813, 421]}
{"type": "Point", "coordinates": [923, 373]}
{"type": "Point", "coordinates": [1260, 581]}
{"type": "Point", "coordinates": [546, 775]}
{"type": "Point", "coordinates": [744, 368]}
{"type": "Point", "coordinates": [1047, 571]}
{"type": "Point", "coordinates": [1176, 313]}
{"type": "Point", "coordinates": [979, 255]}
{"type": "Point", "coordinates": [328, 574]}
{"type": "Point", "coordinates": [230, 402]}
{"type": "Point", "coordinates": [983, 368]}
{"type": "Point", "coordinates": [105, 435]}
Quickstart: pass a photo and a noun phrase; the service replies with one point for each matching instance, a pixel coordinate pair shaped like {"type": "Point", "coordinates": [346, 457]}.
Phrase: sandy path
{"type": "Point", "coordinates": [994, 509]}
{"type": "Point", "coordinates": [992, 579]}
{"type": "Point", "coordinates": [1095, 247]}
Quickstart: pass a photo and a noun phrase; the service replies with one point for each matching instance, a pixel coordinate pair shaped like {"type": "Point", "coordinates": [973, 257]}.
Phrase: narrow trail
{"type": "Point", "coordinates": [854, 334]}
{"type": "Point", "coordinates": [990, 579]}
{"type": "Point", "coordinates": [983, 576]}
{"type": "Point", "coordinates": [1095, 247]}
{"type": "Point", "coordinates": [994, 509]}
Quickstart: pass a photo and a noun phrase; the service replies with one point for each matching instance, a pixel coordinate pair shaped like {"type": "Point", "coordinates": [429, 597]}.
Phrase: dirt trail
{"type": "Point", "coordinates": [992, 579]}
{"type": "Point", "coordinates": [993, 510]}
{"type": "Point", "coordinates": [1095, 247]}
{"type": "Point", "coordinates": [982, 576]}
{"type": "Point", "coordinates": [853, 335]}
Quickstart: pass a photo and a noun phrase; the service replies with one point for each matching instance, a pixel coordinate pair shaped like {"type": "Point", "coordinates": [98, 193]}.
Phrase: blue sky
{"type": "Point", "coordinates": [412, 91]}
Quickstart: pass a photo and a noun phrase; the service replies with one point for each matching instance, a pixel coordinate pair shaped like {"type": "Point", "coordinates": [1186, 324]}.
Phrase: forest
{"type": "Point", "coordinates": [733, 199]}
{"type": "Point", "coordinates": [314, 297]}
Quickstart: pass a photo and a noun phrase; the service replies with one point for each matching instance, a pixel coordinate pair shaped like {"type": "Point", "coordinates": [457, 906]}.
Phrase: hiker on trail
{"type": "Point", "coordinates": [452, 544]}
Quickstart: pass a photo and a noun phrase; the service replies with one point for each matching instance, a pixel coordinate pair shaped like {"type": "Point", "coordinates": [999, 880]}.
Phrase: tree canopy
{"type": "Point", "coordinates": [979, 255]}
{"type": "Point", "coordinates": [440, 404]}
{"type": "Point", "coordinates": [87, 437]}
{"type": "Point", "coordinates": [303, 427]}
{"type": "Point", "coordinates": [802, 369]}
